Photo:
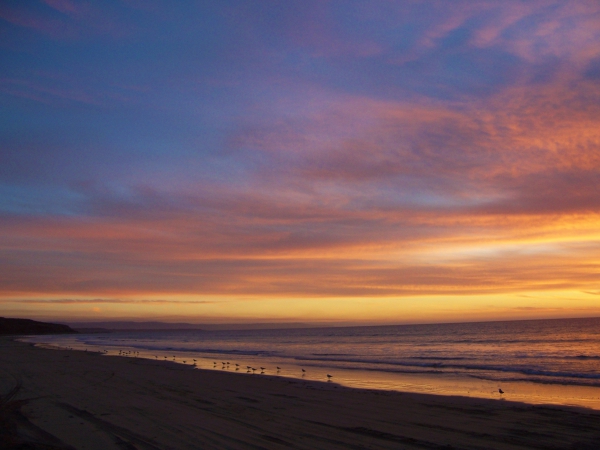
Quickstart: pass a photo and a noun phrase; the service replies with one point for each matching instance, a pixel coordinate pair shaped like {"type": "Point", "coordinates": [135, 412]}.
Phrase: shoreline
{"type": "Point", "coordinates": [88, 400]}
{"type": "Point", "coordinates": [444, 383]}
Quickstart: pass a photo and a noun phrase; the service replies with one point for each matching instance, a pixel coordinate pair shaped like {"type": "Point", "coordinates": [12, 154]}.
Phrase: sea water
{"type": "Point", "coordinates": [541, 361]}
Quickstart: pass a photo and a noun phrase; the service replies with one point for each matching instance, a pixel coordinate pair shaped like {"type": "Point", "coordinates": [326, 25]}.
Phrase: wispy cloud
{"type": "Point", "coordinates": [95, 301]}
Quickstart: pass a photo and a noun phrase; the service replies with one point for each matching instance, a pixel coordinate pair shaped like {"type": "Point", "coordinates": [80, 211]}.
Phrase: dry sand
{"type": "Point", "coordinates": [59, 399]}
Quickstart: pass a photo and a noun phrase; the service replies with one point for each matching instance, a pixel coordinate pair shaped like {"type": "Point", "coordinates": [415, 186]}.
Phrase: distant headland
{"type": "Point", "coordinates": [27, 326]}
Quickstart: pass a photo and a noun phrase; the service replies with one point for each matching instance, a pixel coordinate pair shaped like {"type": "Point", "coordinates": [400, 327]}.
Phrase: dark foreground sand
{"type": "Point", "coordinates": [55, 399]}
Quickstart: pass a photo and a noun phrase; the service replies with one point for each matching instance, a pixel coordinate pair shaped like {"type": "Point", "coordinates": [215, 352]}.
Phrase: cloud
{"type": "Point", "coordinates": [524, 148]}
{"type": "Point", "coordinates": [94, 301]}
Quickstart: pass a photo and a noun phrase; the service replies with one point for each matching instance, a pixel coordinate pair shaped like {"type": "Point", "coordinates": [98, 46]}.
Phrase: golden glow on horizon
{"type": "Point", "coordinates": [412, 309]}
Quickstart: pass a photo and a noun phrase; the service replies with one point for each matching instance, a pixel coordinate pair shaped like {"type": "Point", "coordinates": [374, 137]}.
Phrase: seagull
{"type": "Point", "coordinates": [501, 391]}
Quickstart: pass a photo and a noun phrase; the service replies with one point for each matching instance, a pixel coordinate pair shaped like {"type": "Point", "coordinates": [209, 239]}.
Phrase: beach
{"type": "Point", "coordinates": [59, 399]}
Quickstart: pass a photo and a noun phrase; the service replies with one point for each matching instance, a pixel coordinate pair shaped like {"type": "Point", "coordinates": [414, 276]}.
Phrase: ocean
{"type": "Point", "coordinates": [536, 361]}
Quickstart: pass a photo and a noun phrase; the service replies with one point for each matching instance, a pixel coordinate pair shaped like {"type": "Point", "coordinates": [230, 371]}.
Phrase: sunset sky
{"type": "Point", "coordinates": [350, 161]}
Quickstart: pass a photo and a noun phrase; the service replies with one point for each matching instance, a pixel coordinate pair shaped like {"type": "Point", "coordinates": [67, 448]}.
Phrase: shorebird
{"type": "Point", "coordinates": [262, 369]}
{"type": "Point", "coordinates": [329, 377]}
{"type": "Point", "coordinates": [184, 362]}
{"type": "Point", "coordinates": [501, 391]}
{"type": "Point", "coordinates": [253, 369]}
{"type": "Point", "coordinates": [303, 371]}
{"type": "Point", "coordinates": [278, 368]}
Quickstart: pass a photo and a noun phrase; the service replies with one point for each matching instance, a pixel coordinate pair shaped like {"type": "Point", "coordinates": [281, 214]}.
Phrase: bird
{"type": "Point", "coordinates": [253, 369]}
{"type": "Point", "coordinates": [184, 362]}
{"type": "Point", "coordinates": [501, 391]}
{"type": "Point", "coordinates": [303, 371]}
{"type": "Point", "coordinates": [278, 368]}
{"type": "Point", "coordinates": [329, 377]}
{"type": "Point", "coordinates": [262, 370]}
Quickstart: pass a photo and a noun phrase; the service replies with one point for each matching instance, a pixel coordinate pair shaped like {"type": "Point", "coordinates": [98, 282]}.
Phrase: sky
{"type": "Point", "coordinates": [368, 161]}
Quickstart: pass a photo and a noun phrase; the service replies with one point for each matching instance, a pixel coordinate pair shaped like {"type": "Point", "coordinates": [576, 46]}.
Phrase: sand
{"type": "Point", "coordinates": [60, 399]}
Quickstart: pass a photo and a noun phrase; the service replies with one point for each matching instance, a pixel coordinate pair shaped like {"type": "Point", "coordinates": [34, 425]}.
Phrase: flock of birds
{"type": "Point", "coordinates": [224, 364]}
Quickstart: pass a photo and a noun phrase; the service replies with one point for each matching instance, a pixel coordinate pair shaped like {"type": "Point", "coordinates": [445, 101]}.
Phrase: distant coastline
{"type": "Point", "coordinates": [16, 327]}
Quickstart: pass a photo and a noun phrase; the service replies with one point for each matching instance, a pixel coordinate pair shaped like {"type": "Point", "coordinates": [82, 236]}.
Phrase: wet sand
{"type": "Point", "coordinates": [60, 399]}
